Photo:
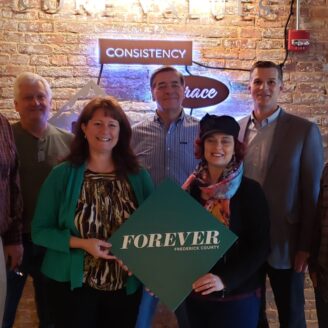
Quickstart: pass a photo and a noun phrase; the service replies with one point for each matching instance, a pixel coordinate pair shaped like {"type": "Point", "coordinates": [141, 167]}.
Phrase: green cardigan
{"type": "Point", "coordinates": [53, 222]}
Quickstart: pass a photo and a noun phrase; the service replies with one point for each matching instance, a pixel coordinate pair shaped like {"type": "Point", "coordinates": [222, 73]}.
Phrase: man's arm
{"type": "Point", "coordinates": [13, 255]}
{"type": "Point", "coordinates": [310, 174]}
{"type": "Point", "coordinates": [321, 214]}
{"type": "Point", "coordinates": [12, 239]}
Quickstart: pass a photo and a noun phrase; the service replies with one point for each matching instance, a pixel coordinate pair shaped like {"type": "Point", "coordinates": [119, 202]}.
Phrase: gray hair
{"type": "Point", "coordinates": [31, 78]}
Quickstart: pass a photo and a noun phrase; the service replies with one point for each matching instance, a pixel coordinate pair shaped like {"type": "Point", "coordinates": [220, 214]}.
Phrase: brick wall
{"type": "Point", "coordinates": [62, 47]}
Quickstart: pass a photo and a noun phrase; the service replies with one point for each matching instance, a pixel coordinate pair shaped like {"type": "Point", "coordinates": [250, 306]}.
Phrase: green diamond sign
{"type": "Point", "coordinates": [170, 241]}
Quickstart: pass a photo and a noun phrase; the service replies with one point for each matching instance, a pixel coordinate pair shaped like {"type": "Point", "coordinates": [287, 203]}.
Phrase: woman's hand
{"type": "Point", "coordinates": [208, 284]}
{"type": "Point", "coordinates": [123, 266]}
{"type": "Point", "coordinates": [13, 255]}
{"type": "Point", "coordinates": [96, 247]}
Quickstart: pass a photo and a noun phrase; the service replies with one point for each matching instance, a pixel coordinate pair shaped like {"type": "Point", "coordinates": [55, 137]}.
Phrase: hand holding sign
{"type": "Point", "coordinates": [208, 284]}
{"type": "Point", "coordinates": [171, 241]}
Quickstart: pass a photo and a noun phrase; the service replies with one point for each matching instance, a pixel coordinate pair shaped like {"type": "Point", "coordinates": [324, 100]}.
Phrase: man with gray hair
{"type": "Point", "coordinates": [40, 146]}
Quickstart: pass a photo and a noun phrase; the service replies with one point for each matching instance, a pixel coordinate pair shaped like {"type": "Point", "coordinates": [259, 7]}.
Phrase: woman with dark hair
{"type": "Point", "coordinates": [229, 295]}
{"type": "Point", "coordinates": [82, 202]}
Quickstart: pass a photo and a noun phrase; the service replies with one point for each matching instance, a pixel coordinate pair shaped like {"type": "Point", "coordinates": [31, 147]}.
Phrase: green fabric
{"type": "Point", "coordinates": [53, 222]}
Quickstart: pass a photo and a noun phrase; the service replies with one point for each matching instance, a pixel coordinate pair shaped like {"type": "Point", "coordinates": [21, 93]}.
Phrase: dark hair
{"type": "Point", "coordinates": [123, 157]}
{"type": "Point", "coordinates": [166, 69]}
{"type": "Point", "coordinates": [268, 64]}
{"type": "Point", "coordinates": [239, 149]}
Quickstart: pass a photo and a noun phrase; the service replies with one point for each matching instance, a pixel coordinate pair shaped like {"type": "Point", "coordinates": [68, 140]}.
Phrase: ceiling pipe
{"type": "Point", "coordinates": [297, 14]}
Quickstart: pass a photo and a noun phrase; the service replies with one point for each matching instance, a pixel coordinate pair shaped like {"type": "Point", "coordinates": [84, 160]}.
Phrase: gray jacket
{"type": "Point", "coordinates": [292, 181]}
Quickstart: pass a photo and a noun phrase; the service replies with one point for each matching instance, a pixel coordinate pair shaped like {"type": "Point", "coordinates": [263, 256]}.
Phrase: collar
{"type": "Point", "coordinates": [267, 121]}
{"type": "Point", "coordinates": [180, 118]}
{"type": "Point", "coordinates": [45, 132]}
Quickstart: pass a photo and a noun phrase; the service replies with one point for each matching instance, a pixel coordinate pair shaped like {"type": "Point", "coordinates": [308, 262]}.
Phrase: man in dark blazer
{"type": "Point", "coordinates": [284, 154]}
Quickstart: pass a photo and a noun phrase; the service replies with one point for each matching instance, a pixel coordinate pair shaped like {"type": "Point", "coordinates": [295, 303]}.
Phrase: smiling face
{"type": "Point", "coordinates": [265, 87]}
{"type": "Point", "coordinates": [218, 150]}
{"type": "Point", "coordinates": [33, 104]}
{"type": "Point", "coordinates": [168, 92]}
{"type": "Point", "coordinates": [102, 132]}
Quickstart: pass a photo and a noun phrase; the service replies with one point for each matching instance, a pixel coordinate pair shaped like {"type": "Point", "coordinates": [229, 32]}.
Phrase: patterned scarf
{"type": "Point", "coordinates": [216, 197]}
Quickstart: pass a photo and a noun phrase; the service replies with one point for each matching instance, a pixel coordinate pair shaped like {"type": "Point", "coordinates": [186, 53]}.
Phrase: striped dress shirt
{"type": "Point", "coordinates": [10, 196]}
{"type": "Point", "coordinates": [166, 152]}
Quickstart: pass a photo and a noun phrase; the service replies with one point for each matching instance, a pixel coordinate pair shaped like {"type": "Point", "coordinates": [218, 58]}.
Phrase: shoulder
{"type": "Point", "coordinates": [3, 120]}
{"type": "Point", "coordinates": [17, 129]}
{"type": "Point", "coordinates": [149, 121]}
{"type": "Point", "coordinates": [141, 175]}
{"type": "Point", "coordinates": [16, 126]}
{"type": "Point", "coordinates": [250, 190]}
{"type": "Point", "coordinates": [6, 134]}
{"type": "Point", "coordinates": [20, 134]}
{"type": "Point", "coordinates": [142, 184]}
{"type": "Point", "coordinates": [61, 168]}
{"type": "Point", "coordinates": [191, 120]}
{"type": "Point", "coordinates": [297, 121]}
{"type": "Point", "coordinates": [244, 120]}
{"type": "Point", "coordinates": [57, 177]}
{"type": "Point", "coordinates": [301, 130]}
{"type": "Point", "coordinates": [248, 184]}
{"type": "Point", "coordinates": [4, 124]}
{"type": "Point", "coordinates": [67, 168]}
{"type": "Point", "coordinates": [64, 171]}
{"type": "Point", "coordinates": [143, 172]}
{"type": "Point", "coordinates": [58, 132]}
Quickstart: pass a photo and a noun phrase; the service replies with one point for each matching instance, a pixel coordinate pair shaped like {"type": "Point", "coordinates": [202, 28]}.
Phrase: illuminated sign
{"type": "Point", "coordinates": [145, 52]}
{"type": "Point", "coordinates": [203, 92]}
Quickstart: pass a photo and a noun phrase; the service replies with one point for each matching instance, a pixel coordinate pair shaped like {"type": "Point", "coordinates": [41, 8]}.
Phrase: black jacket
{"type": "Point", "coordinates": [249, 220]}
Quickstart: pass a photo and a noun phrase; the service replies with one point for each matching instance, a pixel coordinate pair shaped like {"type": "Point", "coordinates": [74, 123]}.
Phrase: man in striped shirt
{"type": "Point", "coordinates": [164, 145]}
{"type": "Point", "coordinates": [11, 249]}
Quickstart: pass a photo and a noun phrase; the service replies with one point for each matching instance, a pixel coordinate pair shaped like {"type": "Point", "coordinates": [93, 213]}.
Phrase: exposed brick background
{"type": "Point", "coordinates": [62, 47]}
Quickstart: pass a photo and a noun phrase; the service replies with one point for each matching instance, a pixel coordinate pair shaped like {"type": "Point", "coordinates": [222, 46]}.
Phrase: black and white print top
{"type": "Point", "coordinates": [105, 203]}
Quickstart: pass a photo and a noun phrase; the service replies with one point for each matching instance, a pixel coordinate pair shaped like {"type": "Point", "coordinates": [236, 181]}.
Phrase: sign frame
{"type": "Point", "coordinates": [145, 52]}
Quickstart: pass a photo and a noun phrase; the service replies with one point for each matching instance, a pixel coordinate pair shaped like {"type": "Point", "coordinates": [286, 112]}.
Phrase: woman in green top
{"type": "Point", "coordinates": [82, 202]}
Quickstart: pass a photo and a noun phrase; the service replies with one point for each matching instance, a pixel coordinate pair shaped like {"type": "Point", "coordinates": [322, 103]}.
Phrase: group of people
{"type": "Point", "coordinates": [62, 197]}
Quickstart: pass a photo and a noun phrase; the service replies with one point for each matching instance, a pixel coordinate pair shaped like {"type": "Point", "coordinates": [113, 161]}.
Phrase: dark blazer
{"type": "Point", "coordinates": [292, 181]}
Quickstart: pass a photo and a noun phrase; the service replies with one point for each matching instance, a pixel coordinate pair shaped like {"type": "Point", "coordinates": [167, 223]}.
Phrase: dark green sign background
{"type": "Point", "coordinates": [170, 271]}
